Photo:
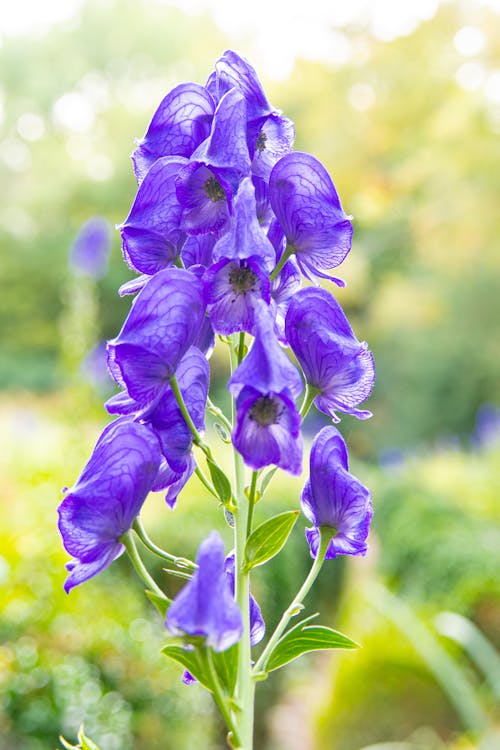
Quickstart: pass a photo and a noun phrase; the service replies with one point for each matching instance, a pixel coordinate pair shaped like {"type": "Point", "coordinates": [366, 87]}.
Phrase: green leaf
{"type": "Point", "coordinates": [221, 483]}
{"type": "Point", "coordinates": [161, 603]}
{"type": "Point", "coordinates": [225, 662]}
{"type": "Point", "coordinates": [84, 742]}
{"type": "Point", "coordinates": [304, 638]}
{"type": "Point", "coordinates": [191, 661]}
{"type": "Point", "coordinates": [268, 539]}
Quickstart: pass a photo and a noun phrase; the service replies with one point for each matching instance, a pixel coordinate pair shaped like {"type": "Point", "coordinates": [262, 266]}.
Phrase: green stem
{"type": "Point", "coordinates": [128, 542]}
{"type": "Point", "coordinates": [251, 501]}
{"type": "Point", "coordinates": [181, 562]}
{"type": "Point", "coordinates": [205, 482]}
{"type": "Point", "coordinates": [241, 346]}
{"type": "Point", "coordinates": [309, 396]}
{"type": "Point", "coordinates": [219, 696]}
{"type": "Point", "coordinates": [213, 409]}
{"type": "Point", "coordinates": [245, 688]}
{"type": "Point", "coordinates": [288, 252]}
{"type": "Point", "coordinates": [197, 439]}
{"type": "Point", "coordinates": [296, 605]}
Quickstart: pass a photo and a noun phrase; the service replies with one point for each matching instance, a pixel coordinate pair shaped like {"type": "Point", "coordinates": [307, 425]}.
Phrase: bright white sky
{"type": "Point", "coordinates": [307, 28]}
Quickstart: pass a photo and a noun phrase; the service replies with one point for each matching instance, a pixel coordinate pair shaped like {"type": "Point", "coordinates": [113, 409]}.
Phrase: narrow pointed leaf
{"type": "Point", "coordinates": [269, 538]}
{"type": "Point", "coordinates": [303, 639]}
{"type": "Point", "coordinates": [161, 603]}
{"type": "Point", "coordinates": [226, 664]}
{"type": "Point", "coordinates": [221, 483]}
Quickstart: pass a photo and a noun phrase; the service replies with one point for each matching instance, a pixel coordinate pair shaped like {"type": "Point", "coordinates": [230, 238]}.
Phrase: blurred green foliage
{"type": "Point", "coordinates": [415, 159]}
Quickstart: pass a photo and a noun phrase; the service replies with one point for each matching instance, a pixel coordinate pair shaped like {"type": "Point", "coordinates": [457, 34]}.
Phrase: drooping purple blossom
{"type": "Point", "coordinates": [151, 233]}
{"type": "Point", "coordinates": [307, 206]}
{"type": "Point", "coordinates": [107, 497]}
{"type": "Point", "coordinates": [205, 607]}
{"type": "Point", "coordinates": [163, 323]}
{"type": "Point", "coordinates": [333, 360]}
{"type": "Point", "coordinates": [181, 122]}
{"type": "Point", "coordinates": [334, 498]}
{"type": "Point", "coordinates": [232, 290]}
{"type": "Point", "coordinates": [266, 384]}
{"type": "Point", "coordinates": [90, 251]}
{"type": "Point", "coordinates": [206, 185]}
{"type": "Point", "coordinates": [275, 139]}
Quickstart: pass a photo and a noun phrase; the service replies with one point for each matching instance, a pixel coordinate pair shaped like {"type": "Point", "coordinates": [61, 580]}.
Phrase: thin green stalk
{"type": "Point", "coordinates": [205, 482]}
{"type": "Point", "coordinates": [197, 439]}
{"type": "Point", "coordinates": [181, 562]}
{"type": "Point", "coordinates": [128, 542]}
{"type": "Point", "coordinates": [288, 252]}
{"type": "Point", "coordinates": [296, 605]}
{"type": "Point", "coordinates": [241, 346]}
{"type": "Point", "coordinates": [252, 501]}
{"type": "Point", "coordinates": [245, 688]}
{"type": "Point", "coordinates": [309, 396]}
{"type": "Point", "coordinates": [219, 696]}
{"type": "Point", "coordinates": [213, 409]}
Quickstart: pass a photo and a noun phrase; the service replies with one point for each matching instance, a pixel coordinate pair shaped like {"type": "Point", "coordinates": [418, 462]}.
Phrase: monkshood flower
{"type": "Point", "coordinates": [307, 206]}
{"type": "Point", "coordinates": [334, 498]}
{"type": "Point", "coordinates": [286, 283]}
{"type": "Point", "coordinates": [107, 497]}
{"type": "Point", "coordinates": [266, 384]}
{"type": "Point", "coordinates": [151, 234]}
{"type": "Point", "coordinates": [257, 624]}
{"type": "Point", "coordinates": [90, 251]}
{"type": "Point", "coordinates": [206, 185]}
{"type": "Point", "coordinates": [238, 279]}
{"type": "Point", "coordinates": [181, 122]}
{"type": "Point", "coordinates": [333, 361]}
{"type": "Point", "coordinates": [205, 607]}
{"type": "Point", "coordinates": [269, 134]}
{"type": "Point", "coordinates": [163, 323]}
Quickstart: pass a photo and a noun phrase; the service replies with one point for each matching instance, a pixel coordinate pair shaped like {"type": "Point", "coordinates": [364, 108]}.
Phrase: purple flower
{"type": "Point", "coordinates": [206, 185]}
{"type": "Point", "coordinates": [205, 607]}
{"type": "Point", "coordinates": [107, 497]}
{"type": "Point", "coordinates": [90, 251]}
{"type": "Point", "coordinates": [334, 498]}
{"type": "Point", "coordinates": [151, 233]}
{"type": "Point", "coordinates": [232, 71]}
{"type": "Point", "coordinates": [232, 290]}
{"type": "Point", "coordinates": [163, 323]}
{"type": "Point", "coordinates": [266, 384]}
{"type": "Point", "coordinates": [179, 125]}
{"type": "Point", "coordinates": [274, 140]}
{"type": "Point", "coordinates": [257, 624]}
{"type": "Point", "coordinates": [333, 360]}
{"type": "Point", "coordinates": [307, 206]}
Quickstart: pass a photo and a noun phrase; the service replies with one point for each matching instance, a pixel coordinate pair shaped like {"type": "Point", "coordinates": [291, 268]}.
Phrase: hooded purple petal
{"type": "Point", "coordinates": [307, 206]}
{"type": "Point", "coordinates": [181, 122]}
{"type": "Point", "coordinates": [107, 497]}
{"type": "Point", "coordinates": [151, 233]}
{"type": "Point", "coordinates": [332, 358]}
{"type": "Point", "coordinates": [267, 431]}
{"type": "Point", "coordinates": [234, 71]}
{"type": "Point", "coordinates": [275, 139]}
{"type": "Point", "coordinates": [163, 322]}
{"type": "Point", "coordinates": [334, 498]}
{"type": "Point", "coordinates": [173, 481]}
{"type": "Point", "coordinates": [232, 290]}
{"type": "Point", "coordinates": [205, 606]}
{"type": "Point", "coordinates": [245, 237]}
{"type": "Point", "coordinates": [266, 368]}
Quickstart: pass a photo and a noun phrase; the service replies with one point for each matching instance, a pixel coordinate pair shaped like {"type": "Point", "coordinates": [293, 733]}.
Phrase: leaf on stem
{"type": "Point", "coordinates": [304, 638]}
{"type": "Point", "coordinates": [269, 538]}
{"type": "Point", "coordinates": [221, 483]}
{"type": "Point", "coordinates": [225, 662]}
{"type": "Point", "coordinates": [161, 603]}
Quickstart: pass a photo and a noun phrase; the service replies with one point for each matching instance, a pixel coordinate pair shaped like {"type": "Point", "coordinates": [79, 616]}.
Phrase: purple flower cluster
{"type": "Point", "coordinates": [226, 220]}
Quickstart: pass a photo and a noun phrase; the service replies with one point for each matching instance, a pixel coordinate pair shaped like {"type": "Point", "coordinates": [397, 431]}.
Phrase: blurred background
{"type": "Point", "coordinates": [401, 101]}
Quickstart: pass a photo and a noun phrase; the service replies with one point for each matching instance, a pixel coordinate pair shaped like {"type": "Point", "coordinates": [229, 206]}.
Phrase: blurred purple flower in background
{"type": "Point", "coordinates": [90, 251]}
